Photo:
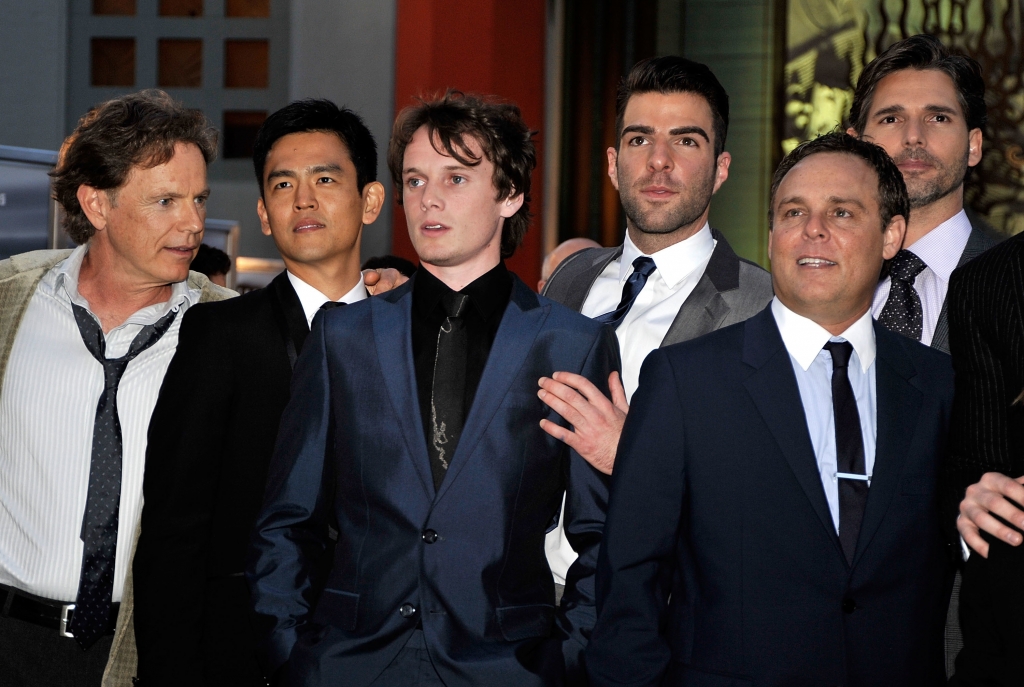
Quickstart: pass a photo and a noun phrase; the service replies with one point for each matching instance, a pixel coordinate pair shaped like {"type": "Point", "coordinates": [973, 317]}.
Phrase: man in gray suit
{"type": "Point", "coordinates": [674, 278]}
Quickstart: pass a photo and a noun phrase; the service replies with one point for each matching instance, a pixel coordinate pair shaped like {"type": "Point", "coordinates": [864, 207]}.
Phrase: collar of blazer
{"type": "Point", "coordinates": [392, 322]}
{"type": "Point", "coordinates": [772, 386]}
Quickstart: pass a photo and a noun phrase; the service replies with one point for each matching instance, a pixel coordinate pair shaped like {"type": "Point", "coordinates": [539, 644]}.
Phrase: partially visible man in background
{"type": "Point", "coordinates": [562, 251]}
{"type": "Point", "coordinates": [85, 338]}
{"type": "Point", "coordinates": [206, 471]}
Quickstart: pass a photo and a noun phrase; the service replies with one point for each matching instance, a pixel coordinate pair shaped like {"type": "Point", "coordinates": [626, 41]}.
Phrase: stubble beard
{"type": "Point", "coordinates": [691, 203]}
{"type": "Point", "coordinates": [923, 193]}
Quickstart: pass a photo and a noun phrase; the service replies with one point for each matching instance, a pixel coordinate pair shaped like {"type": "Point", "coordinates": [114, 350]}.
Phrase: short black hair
{"type": "Point", "coordinates": [135, 130]}
{"type": "Point", "coordinates": [497, 126]}
{"type": "Point", "coordinates": [210, 261]}
{"type": "Point", "coordinates": [321, 116]}
{"type": "Point", "coordinates": [892, 191]}
{"type": "Point", "coordinates": [672, 74]}
{"type": "Point", "coordinates": [923, 52]}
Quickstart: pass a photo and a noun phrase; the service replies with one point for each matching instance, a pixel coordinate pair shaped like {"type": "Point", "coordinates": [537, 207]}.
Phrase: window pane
{"type": "Point", "coordinates": [240, 132]}
{"type": "Point", "coordinates": [247, 8]}
{"type": "Point", "coordinates": [180, 63]}
{"type": "Point", "coordinates": [246, 64]}
{"type": "Point", "coordinates": [113, 7]}
{"type": "Point", "coordinates": [113, 61]}
{"type": "Point", "coordinates": [181, 8]}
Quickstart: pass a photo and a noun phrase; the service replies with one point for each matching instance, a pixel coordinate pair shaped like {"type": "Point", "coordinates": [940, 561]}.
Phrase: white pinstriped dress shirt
{"type": "Point", "coordinates": [47, 408]}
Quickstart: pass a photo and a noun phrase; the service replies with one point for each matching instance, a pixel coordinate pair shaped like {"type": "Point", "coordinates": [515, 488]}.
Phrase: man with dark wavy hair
{"type": "Point", "coordinates": [424, 450]}
{"type": "Point", "coordinates": [85, 338]}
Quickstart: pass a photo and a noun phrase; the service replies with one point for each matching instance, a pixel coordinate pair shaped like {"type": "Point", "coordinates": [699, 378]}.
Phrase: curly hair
{"type": "Point", "coordinates": [136, 130]}
{"type": "Point", "coordinates": [502, 134]}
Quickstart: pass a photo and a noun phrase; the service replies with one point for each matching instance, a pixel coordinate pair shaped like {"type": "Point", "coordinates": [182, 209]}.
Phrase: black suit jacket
{"type": "Point", "coordinates": [211, 437]}
{"type": "Point", "coordinates": [986, 336]}
{"type": "Point", "coordinates": [721, 564]}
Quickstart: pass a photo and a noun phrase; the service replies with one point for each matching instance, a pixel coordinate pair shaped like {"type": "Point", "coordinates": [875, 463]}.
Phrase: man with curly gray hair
{"type": "Point", "coordinates": [85, 338]}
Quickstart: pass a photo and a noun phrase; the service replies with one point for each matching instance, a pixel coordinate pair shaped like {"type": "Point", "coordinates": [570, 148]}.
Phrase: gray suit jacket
{"type": "Point", "coordinates": [730, 290]}
{"type": "Point", "coordinates": [982, 238]}
{"type": "Point", "coordinates": [19, 277]}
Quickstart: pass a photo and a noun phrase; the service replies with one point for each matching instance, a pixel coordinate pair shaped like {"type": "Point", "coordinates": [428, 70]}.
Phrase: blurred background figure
{"type": "Point", "coordinates": [563, 250]}
{"type": "Point", "coordinates": [213, 262]}
{"type": "Point", "coordinates": [383, 262]}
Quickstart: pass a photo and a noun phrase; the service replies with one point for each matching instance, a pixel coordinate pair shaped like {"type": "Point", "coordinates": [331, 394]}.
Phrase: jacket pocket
{"type": "Point", "coordinates": [525, 622]}
{"type": "Point", "coordinates": [337, 608]}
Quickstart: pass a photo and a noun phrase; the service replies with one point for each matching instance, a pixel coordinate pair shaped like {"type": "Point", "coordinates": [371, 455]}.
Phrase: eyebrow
{"type": "Point", "coordinates": [835, 200]}
{"type": "Point", "coordinates": [315, 169]}
{"type": "Point", "coordinates": [447, 168]}
{"type": "Point", "coordinates": [678, 131]}
{"type": "Point", "coordinates": [897, 109]}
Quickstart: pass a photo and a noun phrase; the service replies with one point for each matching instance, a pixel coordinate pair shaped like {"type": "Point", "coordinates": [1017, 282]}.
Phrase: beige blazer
{"type": "Point", "coordinates": [19, 277]}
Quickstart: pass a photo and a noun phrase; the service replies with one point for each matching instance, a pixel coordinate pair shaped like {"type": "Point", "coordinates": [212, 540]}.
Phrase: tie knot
{"type": "Point", "coordinates": [841, 352]}
{"type": "Point", "coordinates": [454, 304]}
{"type": "Point", "coordinates": [644, 266]}
{"type": "Point", "coordinates": [905, 266]}
{"type": "Point", "coordinates": [331, 305]}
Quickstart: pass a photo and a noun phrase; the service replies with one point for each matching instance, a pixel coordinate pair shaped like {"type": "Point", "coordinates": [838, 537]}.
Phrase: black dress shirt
{"type": "Point", "coordinates": [488, 297]}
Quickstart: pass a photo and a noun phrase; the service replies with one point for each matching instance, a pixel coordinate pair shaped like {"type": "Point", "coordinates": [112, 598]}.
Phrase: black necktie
{"type": "Point", "coordinates": [331, 305]}
{"type": "Point", "coordinates": [642, 269]}
{"type": "Point", "coordinates": [91, 618]}
{"type": "Point", "coordinates": [902, 311]}
{"type": "Point", "coordinates": [449, 387]}
{"type": "Point", "coordinates": [853, 485]}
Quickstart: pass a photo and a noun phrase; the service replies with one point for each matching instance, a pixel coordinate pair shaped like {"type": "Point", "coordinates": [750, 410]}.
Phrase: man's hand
{"type": "Point", "coordinates": [988, 497]}
{"type": "Point", "coordinates": [596, 420]}
{"type": "Point", "coordinates": [379, 281]}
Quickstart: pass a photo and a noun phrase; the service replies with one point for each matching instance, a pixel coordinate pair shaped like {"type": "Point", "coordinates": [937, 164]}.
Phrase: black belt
{"type": "Point", "coordinates": [39, 611]}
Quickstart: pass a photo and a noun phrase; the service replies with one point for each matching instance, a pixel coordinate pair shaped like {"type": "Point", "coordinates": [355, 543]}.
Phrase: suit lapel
{"type": "Point", "coordinates": [579, 289]}
{"type": "Point", "coordinates": [981, 239]}
{"type": "Point", "coordinates": [513, 342]}
{"type": "Point", "coordinates": [704, 309]}
{"type": "Point", "coordinates": [392, 334]}
{"type": "Point", "coordinates": [774, 391]}
{"type": "Point", "coordinates": [897, 406]}
{"type": "Point", "coordinates": [291, 318]}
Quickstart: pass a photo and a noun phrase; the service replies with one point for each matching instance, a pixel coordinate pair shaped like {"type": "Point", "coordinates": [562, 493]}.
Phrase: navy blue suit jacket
{"type": "Point", "coordinates": [721, 564]}
{"type": "Point", "coordinates": [351, 453]}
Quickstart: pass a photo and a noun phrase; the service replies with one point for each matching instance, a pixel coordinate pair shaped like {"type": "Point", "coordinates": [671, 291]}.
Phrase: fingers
{"type": "Point", "coordinates": [972, 537]}
{"type": "Point", "coordinates": [381, 280]}
{"type": "Point", "coordinates": [370, 279]}
{"type": "Point", "coordinates": [618, 392]}
{"type": "Point", "coordinates": [991, 494]}
{"type": "Point", "coordinates": [566, 401]}
{"type": "Point", "coordinates": [560, 433]}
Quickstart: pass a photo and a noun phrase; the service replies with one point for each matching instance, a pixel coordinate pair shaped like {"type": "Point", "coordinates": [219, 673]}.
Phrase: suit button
{"type": "Point", "coordinates": [407, 610]}
{"type": "Point", "coordinates": [430, 536]}
{"type": "Point", "coordinates": [849, 606]}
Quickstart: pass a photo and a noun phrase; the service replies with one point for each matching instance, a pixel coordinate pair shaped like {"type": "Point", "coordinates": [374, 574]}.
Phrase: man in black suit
{"type": "Point", "coordinates": [774, 515]}
{"type": "Point", "coordinates": [986, 336]}
{"type": "Point", "coordinates": [206, 469]}
{"type": "Point", "coordinates": [925, 105]}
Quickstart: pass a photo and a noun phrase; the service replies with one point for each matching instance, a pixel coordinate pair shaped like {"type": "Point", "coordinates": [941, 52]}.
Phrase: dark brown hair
{"type": "Point", "coordinates": [892, 191]}
{"type": "Point", "coordinates": [135, 130]}
{"type": "Point", "coordinates": [672, 74]}
{"type": "Point", "coordinates": [499, 129]}
{"type": "Point", "coordinates": [923, 52]}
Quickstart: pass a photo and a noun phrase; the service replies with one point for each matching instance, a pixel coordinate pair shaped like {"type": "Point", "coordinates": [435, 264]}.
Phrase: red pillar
{"type": "Point", "coordinates": [492, 47]}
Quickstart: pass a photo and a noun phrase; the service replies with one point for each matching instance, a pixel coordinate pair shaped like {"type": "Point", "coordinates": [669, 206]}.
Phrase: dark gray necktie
{"type": "Point", "coordinates": [331, 305]}
{"type": "Point", "coordinates": [643, 267]}
{"type": "Point", "coordinates": [902, 312]}
{"type": "Point", "coordinates": [447, 395]}
{"type": "Point", "coordinates": [91, 618]}
{"type": "Point", "coordinates": [853, 485]}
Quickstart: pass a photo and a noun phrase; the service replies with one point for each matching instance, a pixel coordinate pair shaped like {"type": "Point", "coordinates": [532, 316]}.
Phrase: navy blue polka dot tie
{"type": "Point", "coordinates": [643, 267]}
{"type": "Point", "coordinates": [902, 311]}
{"type": "Point", "coordinates": [91, 617]}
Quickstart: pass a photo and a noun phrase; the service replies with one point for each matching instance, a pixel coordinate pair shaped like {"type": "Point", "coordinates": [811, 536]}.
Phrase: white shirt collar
{"type": "Point", "coordinates": [67, 273]}
{"type": "Point", "coordinates": [674, 263]}
{"type": "Point", "coordinates": [311, 299]}
{"type": "Point", "coordinates": [805, 338]}
{"type": "Point", "coordinates": [942, 247]}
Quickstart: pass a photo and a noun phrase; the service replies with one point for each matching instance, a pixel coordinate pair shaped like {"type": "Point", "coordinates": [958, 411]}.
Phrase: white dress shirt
{"type": "Point", "coordinates": [678, 269]}
{"type": "Point", "coordinates": [311, 299]}
{"type": "Point", "coordinates": [940, 249]}
{"type": "Point", "coordinates": [47, 410]}
{"type": "Point", "coordinates": [812, 364]}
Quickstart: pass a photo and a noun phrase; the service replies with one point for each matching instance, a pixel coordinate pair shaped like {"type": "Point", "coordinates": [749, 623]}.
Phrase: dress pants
{"type": "Point", "coordinates": [34, 656]}
{"type": "Point", "coordinates": [992, 619]}
{"type": "Point", "coordinates": [411, 668]}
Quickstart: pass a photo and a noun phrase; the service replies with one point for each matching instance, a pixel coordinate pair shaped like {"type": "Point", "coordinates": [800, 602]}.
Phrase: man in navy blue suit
{"type": "Point", "coordinates": [774, 517]}
{"type": "Point", "coordinates": [413, 431]}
